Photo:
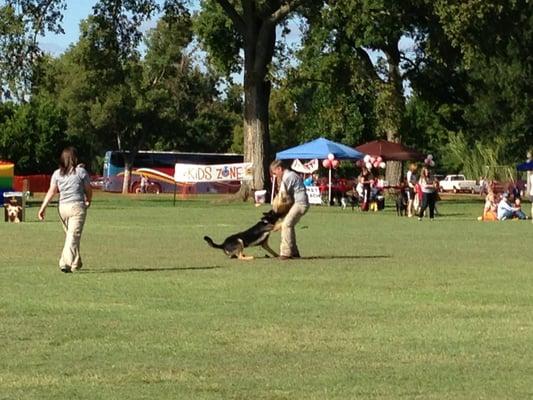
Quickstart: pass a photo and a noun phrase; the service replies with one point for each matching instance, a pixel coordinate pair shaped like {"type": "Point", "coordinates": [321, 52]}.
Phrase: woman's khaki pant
{"type": "Point", "coordinates": [73, 218]}
{"type": "Point", "coordinates": [288, 245]}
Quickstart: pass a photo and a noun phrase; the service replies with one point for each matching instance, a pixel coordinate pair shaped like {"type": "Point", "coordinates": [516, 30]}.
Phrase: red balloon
{"type": "Point", "coordinates": [326, 163]}
{"type": "Point", "coordinates": [335, 164]}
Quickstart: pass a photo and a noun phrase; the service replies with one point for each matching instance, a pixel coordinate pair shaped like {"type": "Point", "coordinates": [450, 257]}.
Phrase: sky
{"type": "Point", "coordinates": [75, 12]}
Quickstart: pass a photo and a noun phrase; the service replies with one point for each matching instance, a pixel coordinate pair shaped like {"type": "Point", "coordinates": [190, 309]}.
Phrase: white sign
{"type": "Point", "coordinates": [313, 194]}
{"type": "Point", "coordinates": [191, 173]}
{"type": "Point", "coordinates": [307, 168]}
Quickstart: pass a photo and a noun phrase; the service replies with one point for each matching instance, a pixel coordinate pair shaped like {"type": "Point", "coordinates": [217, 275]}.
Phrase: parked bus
{"type": "Point", "coordinates": [158, 167]}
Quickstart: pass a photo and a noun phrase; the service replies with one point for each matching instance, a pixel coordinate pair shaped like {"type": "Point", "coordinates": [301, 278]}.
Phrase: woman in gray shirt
{"type": "Point", "coordinates": [75, 194]}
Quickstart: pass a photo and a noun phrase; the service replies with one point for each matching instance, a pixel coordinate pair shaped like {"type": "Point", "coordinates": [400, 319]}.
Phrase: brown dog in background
{"type": "Point", "coordinates": [13, 212]}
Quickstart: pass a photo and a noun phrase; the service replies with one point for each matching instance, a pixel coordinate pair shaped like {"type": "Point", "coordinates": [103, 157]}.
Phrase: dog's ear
{"type": "Point", "coordinates": [269, 214]}
{"type": "Point", "coordinates": [270, 217]}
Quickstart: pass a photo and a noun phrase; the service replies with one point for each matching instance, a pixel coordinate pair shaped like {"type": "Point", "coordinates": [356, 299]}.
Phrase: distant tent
{"type": "Point", "coordinates": [525, 166]}
{"type": "Point", "coordinates": [320, 148]}
{"type": "Point", "coordinates": [390, 151]}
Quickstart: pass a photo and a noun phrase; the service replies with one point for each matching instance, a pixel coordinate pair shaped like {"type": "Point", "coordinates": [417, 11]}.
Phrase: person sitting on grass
{"type": "Point", "coordinates": [506, 210]}
{"type": "Point", "coordinates": [490, 208]}
{"type": "Point", "coordinates": [518, 205]}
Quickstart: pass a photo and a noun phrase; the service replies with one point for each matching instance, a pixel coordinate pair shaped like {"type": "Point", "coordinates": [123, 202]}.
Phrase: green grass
{"type": "Point", "coordinates": [381, 307]}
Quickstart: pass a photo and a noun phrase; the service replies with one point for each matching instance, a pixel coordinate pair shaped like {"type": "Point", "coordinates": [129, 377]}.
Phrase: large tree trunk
{"type": "Point", "coordinates": [393, 104]}
{"type": "Point", "coordinates": [127, 177]}
{"type": "Point", "coordinates": [257, 25]}
{"type": "Point", "coordinates": [128, 165]}
{"type": "Point", "coordinates": [256, 132]}
{"type": "Point", "coordinates": [258, 51]}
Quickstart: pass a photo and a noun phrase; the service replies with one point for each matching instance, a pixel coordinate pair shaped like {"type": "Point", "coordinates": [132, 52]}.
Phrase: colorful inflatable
{"type": "Point", "coordinates": [7, 172]}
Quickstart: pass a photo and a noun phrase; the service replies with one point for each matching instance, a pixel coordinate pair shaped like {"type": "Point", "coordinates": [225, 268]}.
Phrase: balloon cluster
{"type": "Point", "coordinates": [371, 162]}
{"type": "Point", "coordinates": [330, 162]}
{"type": "Point", "coordinates": [429, 161]}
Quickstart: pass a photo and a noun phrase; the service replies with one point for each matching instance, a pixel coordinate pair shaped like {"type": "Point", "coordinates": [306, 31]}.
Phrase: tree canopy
{"type": "Point", "coordinates": [444, 76]}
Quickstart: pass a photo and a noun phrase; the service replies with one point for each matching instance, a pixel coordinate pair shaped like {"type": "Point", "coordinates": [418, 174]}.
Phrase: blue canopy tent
{"type": "Point", "coordinates": [525, 166]}
{"type": "Point", "coordinates": [320, 148]}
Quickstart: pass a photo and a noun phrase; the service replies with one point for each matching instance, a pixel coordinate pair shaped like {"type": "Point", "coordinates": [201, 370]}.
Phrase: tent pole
{"type": "Point", "coordinates": [329, 188]}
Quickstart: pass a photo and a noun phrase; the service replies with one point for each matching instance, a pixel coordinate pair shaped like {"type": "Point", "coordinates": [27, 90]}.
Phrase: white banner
{"type": "Point", "coordinates": [307, 168]}
{"type": "Point", "coordinates": [313, 194]}
{"type": "Point", "coordinates": [192, 173]}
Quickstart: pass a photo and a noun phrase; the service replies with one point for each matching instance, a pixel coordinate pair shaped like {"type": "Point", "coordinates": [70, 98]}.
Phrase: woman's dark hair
{"type": "Point", "coordinates": [68, 161]}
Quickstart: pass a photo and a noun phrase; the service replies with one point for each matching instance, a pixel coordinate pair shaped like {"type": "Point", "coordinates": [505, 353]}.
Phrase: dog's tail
{"type": "Point", "coordinates": [212, 244]}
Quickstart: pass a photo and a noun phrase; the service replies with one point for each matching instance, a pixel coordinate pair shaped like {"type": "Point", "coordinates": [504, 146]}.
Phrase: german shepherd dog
{"type": "Point", "coordinates": [258, 234]}
{"type": "Point", "coordinates": [401, 203]}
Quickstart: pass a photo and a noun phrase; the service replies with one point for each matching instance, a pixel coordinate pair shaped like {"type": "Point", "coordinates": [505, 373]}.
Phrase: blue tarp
{"type": "Point", "coordinates": [320, 148]}
{"type": "Point", "coordinates": [525, 166]}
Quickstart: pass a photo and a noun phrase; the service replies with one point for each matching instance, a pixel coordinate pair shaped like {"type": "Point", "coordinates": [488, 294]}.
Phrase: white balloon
{"type": "Point", "coordinates": [431, 163]}
{"type": "Point", "coordinates": [368, 165]}
{"type": "Point", "coordinates": [430, 157]}
{"type": "Point", "coordinates": [331, 156]}
{"type": "Point", "coordinates": [382, 165]}
{"type": "Point", "coordinates": [366, 158]}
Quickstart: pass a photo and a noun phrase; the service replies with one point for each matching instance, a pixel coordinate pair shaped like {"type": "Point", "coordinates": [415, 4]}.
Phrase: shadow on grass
{"type": "Point", "coordinates": [126, 270]}
{"type": "Point", "coordinates": [337, 257]}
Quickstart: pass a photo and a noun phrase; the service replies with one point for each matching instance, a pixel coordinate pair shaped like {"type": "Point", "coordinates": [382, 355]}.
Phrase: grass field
{"type": "Point", "coordinates": [380, 307]}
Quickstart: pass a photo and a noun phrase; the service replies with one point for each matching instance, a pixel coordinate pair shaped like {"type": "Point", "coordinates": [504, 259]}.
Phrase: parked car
{"type": "Point", "coordinates": [458, 183]}
{"type": "Point", "coordinates": [97, 182]}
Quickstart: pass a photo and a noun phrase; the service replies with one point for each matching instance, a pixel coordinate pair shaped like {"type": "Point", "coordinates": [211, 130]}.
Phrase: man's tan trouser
{"type": "Point", "coordinates": [288, 245]}
{"type": "Point", "coordinates": [73, 218]}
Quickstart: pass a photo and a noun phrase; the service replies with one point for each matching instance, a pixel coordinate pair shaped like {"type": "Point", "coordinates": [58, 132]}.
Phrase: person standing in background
{"type": "Point", "coordinates": [411, 192]}
{"type": "Point", "coordinates": [72, 183]}
{"type": "Point", "coordinates": [530, 189]}
{"type": "Point", "coordinates": [428, 186]}
{"type": "Point", "coordinates": [530, 183]}
{"type": "Point", "coordinates": [366, 179]}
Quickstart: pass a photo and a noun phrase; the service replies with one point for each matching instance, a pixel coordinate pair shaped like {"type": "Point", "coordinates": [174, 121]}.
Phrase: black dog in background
{"type": "Point", "coordinates": [401, 203]}
{"type": "Point", "coordinates": [257, 235]}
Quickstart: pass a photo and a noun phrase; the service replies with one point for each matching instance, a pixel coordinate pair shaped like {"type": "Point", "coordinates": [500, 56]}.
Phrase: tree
{"type": "Point", "coordinates": [33, 135]}
{"type": "Point", "coordinates": [21, 22]}
{"type": "Point", "coordinates": [162, 101]}
{"type": "Point", "coordinates": [328, 86]}
{"type": "Point", "coordinates": [193, 115]}
{"type": "Point", "coordinates": [477, 81]}
{"type": "Point", "coordinates": [353, 30]}
{"type": "Point", "coordinates": [225, 27]}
